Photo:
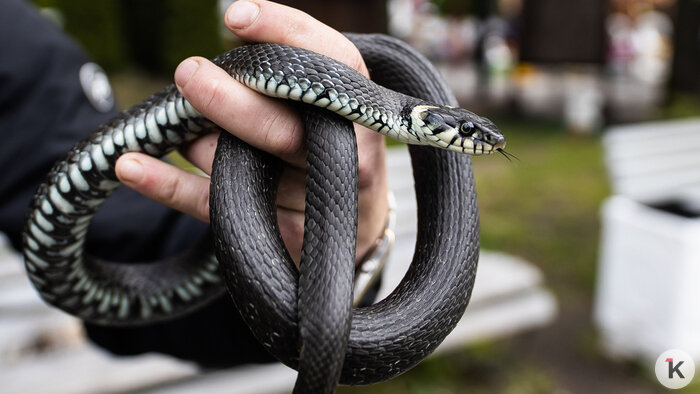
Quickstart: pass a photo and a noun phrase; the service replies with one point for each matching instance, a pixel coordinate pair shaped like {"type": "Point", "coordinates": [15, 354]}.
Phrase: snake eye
{"type": "Point", "coordinates": [467, 128]}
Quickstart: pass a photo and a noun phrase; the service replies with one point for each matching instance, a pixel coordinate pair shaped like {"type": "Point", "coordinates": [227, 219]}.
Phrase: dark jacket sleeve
{"type": "Point", "coordinates": [44, 110]}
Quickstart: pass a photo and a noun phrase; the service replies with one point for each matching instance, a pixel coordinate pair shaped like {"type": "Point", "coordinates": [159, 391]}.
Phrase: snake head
{"type": "Point", "coordinates": [456, 129]}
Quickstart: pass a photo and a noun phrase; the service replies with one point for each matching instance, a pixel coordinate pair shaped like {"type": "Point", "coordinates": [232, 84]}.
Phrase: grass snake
{"type": "Point", "coordinates": [303, 317]}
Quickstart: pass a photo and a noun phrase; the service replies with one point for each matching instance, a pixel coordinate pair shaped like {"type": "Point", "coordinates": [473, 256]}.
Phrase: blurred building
{"type": "Point", "coordinates": [557, 32]}
{"type": "Point", "coordinates": [588, 62]}
{"type": "Point", "coordinates": [686, 61]}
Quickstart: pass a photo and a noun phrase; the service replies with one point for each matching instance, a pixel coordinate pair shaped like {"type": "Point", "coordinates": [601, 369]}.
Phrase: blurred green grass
{"type": "Point", "coordinates": [545, 204]}
{"type": "Point", "coordinates": [479, 368]}
{"type": "Point", "coordinates": [545, 208]}
{"type": "Point", "coordinates": [132, 86]}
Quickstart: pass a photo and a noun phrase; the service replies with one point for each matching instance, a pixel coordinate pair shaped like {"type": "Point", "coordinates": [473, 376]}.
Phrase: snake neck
{"type": "Point", "coordinates": [299, 75]}
{"type": "Point", "coordinates": [393, 118]}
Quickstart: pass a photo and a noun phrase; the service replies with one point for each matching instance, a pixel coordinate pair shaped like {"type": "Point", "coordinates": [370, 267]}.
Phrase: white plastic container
{"type": "Point", "coordinates": [648, 293]}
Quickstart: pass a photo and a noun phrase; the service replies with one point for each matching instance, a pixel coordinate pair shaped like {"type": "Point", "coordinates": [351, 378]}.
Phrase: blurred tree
{"type": "Point", "coordinates": [189, 28]}
{"type": "Point", "coordinates": [96, 25]}
{"type": "Point", "coordinates": [359, 16]}
{"type": "Point", "coordinates": [142, 24]}
{"type": "Point", "coordinates": [564, 31]}
{"type": "Point", "coordinates": [161, 33]}
{"type": "Point", "coordinates": [154, 35]}
{"type": "Point", "coordinates": [46, 3]}
{"type": "Point", "coordinates": [479, 8]}
{"type": "Point", "coordinates": [686, 54]}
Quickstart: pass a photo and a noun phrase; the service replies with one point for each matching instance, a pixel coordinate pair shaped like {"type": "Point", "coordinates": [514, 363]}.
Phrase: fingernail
{"type": "Point", "coordinates": [131, 170]}
{"type": "Point", "coordinates": [184, 71]}
{"type": "Point", "coordinates": [242, 14]}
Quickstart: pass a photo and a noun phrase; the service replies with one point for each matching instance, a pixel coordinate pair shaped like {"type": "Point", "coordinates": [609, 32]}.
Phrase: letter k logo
{"type": "Point", "coordinates": [674, 369]}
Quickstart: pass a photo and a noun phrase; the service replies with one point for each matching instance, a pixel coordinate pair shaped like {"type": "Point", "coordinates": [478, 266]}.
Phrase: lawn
{"type": "Point", "coordinates": [545, 208]}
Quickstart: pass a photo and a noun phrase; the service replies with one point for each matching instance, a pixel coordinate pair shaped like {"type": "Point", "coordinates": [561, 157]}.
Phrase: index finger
{"type": "Point", "coordinates": [264, 21]}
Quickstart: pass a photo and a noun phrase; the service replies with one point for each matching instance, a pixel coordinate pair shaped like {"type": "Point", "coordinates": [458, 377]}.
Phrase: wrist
{"type": "Point", "coordinates": [371, 223]}
{"type": "Point", "coordinates": [370, 266]}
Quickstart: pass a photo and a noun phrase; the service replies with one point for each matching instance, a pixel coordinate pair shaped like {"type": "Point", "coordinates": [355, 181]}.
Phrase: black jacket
{"type": "Point", "coordinates": [44, 110]}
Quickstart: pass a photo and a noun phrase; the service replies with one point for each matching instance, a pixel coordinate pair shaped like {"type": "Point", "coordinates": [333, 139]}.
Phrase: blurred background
{"type": "Point", "coordinates": [559, 78]}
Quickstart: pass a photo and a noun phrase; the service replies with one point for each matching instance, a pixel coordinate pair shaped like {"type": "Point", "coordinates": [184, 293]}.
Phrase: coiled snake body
{"type": "Point", "coordinates": [304, 318]}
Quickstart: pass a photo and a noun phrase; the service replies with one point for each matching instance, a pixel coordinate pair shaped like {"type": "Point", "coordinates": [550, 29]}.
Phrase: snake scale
{"type": "Point", "coordinates": [303, 317]}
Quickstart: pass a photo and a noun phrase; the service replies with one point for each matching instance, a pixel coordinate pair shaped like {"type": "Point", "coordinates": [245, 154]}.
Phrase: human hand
{"type": "Point", "coordinates": [265, 123]}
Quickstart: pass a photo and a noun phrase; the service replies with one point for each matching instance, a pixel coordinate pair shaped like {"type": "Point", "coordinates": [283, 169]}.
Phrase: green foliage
{"type": "Point", "coordinates": [480, 368]}
{"type": "Point", "coordinates": [681, 105]}
{"type": "Point", "coordinates": [544, 208]}
{"type": "Point", "coordinates": [162, 33]}
{"type": "Point", "coordinates": [480, 8]}
{"type": "Point", "coordinates": [142, 24]}
{"type": "Point", "coordinates": [153, 35]}
{"type": "Point", "coordinates": [190, 28]}
{"type": "Point", "coordinates": [45, 3]}
{"type": "Point", "coordinates": [96, 25]}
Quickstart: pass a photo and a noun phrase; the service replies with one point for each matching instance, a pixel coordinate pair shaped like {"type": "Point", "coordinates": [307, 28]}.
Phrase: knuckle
{"type": "Point", "coordinates": [355, 60]}
{"type": "Point", "coordinates": [283, 137]}
{"type": "Point", "coordinates": [203, 205]}
{"type": "Point", "coordinates": [296, 226]}
{"type": "Point", "coordinates": [291, 224]}
{"type": "Point", "coordinates": [211, 96]}
{"type": "Point", "coordinates": [169, 190]}
{"type": "Point", "coordinates": [366, 172]}
{"type": "Point", "coordinates": [370, 169]}
{"type": "Point", "coordinates": [298, 26]}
